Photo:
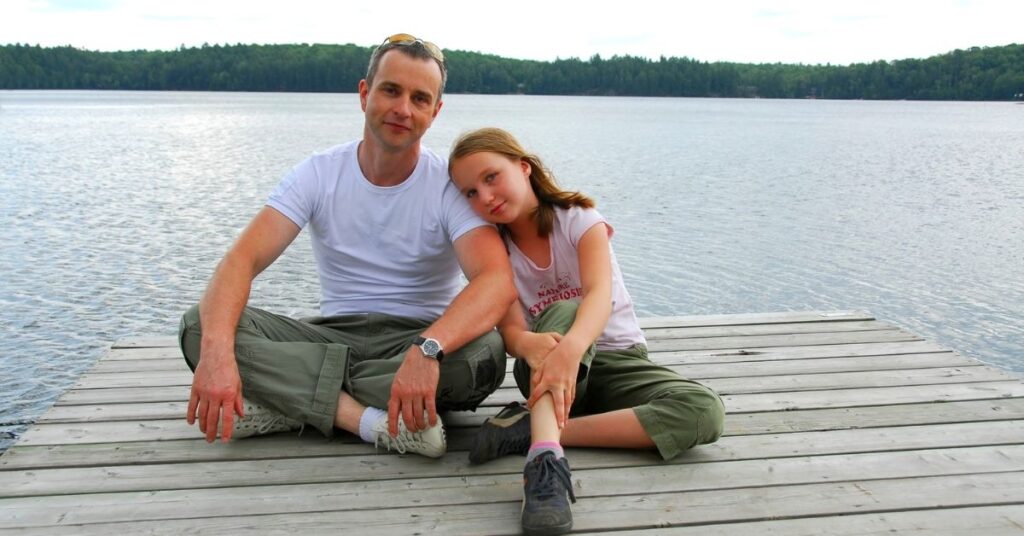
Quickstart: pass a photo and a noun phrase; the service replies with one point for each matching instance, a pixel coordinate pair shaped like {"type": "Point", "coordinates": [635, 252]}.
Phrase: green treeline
{"type": "Point", "coordinates": [980, 73]}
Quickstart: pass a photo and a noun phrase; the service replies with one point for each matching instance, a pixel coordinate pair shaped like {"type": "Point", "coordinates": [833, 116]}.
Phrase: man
{"type": "Point", "coordinates": [389, 232]}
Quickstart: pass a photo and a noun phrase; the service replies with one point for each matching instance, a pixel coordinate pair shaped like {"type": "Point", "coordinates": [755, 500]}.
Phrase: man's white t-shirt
{"type": "Point", "coordinates": [540, 287]}
{"type": "Point", "coordinates": [379, 249]}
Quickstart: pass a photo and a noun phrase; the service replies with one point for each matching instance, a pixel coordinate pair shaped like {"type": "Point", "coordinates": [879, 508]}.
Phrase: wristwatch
{"type": "Point", "coordinates": [430, 348]}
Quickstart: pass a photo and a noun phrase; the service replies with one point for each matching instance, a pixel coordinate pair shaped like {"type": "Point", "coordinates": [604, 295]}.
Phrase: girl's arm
{"type": "Point", "coordinates": [560, 368]}
{"type": "Point", "coordinates": [521, 342]}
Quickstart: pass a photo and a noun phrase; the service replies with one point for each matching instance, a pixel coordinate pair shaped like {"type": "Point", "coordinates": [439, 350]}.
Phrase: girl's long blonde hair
{"type": "Point", "coordinates": [549, 194]}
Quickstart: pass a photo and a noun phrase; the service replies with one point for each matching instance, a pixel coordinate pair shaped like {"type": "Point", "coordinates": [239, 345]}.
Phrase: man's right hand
{"type": "Point", "coordinates": [216, 396]}
{"type": "Point", "coordinates": [216, 387]}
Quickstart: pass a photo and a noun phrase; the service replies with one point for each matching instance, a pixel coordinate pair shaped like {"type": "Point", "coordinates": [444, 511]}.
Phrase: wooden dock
{"type": "Point", "coordinates": [837, 424]}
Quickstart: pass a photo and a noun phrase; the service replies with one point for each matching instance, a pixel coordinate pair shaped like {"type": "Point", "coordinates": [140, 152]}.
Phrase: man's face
{"type": "Point", "coordinates": [403, 101]}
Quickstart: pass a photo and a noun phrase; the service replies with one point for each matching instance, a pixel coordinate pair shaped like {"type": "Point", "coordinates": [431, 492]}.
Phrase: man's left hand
{"type": "Point", "coordinates": [413, 392]}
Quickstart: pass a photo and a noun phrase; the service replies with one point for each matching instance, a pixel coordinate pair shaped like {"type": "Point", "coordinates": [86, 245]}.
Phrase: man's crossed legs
{"type": "Point", "coordinates": [337, 371]}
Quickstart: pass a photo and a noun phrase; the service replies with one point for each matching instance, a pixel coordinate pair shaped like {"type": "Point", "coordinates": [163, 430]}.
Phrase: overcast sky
{"type": "Point", "coordinates": [788, 31]}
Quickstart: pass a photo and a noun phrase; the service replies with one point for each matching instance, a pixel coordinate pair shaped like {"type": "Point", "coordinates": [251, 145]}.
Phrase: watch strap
{"type": "Point", "coordinates": [421, 341]}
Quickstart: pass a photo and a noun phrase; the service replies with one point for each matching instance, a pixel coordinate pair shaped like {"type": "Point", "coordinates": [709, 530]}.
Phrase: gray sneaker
{"type": "Point", "coordinates": [547, 490]}
{"type": "Point", "coordinates": [430, 442]}
{"type": "Point", "coordinates": [260, 420]}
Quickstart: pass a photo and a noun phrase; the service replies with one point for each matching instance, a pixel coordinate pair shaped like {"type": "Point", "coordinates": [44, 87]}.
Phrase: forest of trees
{"type": "Point", "coordinates": [980, 73]}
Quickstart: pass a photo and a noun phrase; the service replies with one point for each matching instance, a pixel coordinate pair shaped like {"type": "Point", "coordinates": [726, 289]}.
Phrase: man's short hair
{"type": "Point", "coordinates": [412, 47]}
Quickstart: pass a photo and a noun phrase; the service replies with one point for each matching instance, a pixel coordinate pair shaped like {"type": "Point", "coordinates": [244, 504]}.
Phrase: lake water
{"type": "Point", "coordinates": [116, 206]}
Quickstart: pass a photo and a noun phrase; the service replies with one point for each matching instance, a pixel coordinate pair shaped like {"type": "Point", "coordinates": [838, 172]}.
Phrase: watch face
{"type": "Point", "coordinates": [430, 347]}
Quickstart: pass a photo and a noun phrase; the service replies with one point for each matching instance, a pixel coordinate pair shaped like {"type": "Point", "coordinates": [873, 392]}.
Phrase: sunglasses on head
{"type": "Point", "coordinates": [401, 39]}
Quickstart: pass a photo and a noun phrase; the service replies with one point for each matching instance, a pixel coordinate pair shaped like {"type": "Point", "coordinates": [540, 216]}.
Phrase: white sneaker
{"type": "Point", "coordinates": [430, 442]}
{"type": "Point", "coordinates": [261, 420]}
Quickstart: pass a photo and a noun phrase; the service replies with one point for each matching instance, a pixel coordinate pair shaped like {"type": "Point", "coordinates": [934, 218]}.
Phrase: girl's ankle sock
{"type": "Point", "coordinates": [541, 447]}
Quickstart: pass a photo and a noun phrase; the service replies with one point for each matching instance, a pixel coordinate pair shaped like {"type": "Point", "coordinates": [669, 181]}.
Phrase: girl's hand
{"type": "Point", "coordinates": [534, 347]}
{"type": "Point", "coordinates": [557, 375]}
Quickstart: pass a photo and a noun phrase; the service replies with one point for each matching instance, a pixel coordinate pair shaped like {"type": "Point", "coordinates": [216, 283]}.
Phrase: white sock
{"type": "Point", "coordinates": [369, 418]}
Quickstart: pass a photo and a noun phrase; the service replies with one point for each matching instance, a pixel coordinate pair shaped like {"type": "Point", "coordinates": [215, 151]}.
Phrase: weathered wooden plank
{"type": "Point", "coordinates": [196, 449]}
{"type": "Point", "coordinates": [667, 356]}
{"type": "Point", "coordinates": [874, 396]}
{"type": "Point", "coordinates": [753, 318]}
{"type": "Point", "coordinates": [121, 395]}
{"type": "Point", "coordinates": [761, 341]}
{"type": "Point", "coordinates": [698, 371]}
{"type": "Point", "coordinates": [158, 386]}
{"type": "Point", "coordinates": [779, 340]}
{"type": "Point", "coordinates": [859, 417]}
{"type": "Point", "coordinates": [166, 341]}
{"type": "Point", "coordinates": [114, 366]}
{"type": "Point", "coordinates": [767, 422]}
{"type": "Point", "coordinates": [703, 370]}
{"type": "Point", "coordinates": [724, 386]}
{"type": "Point", "coordinates": [147, 341]}
{"type": "Point", "coordinates": [789, 400]}
{"type": "Point", "coordinates": [595, 473]}
{"type": "Point", "coordinates": [144, 411]}
{"type": "Point", "coordinates": [987, 520]}
{"type": "Point", "coordinates": [857, 380]}
{"type": "Point", "coordinates": [765, 341]}
{"type": "Point", "coordinates": [159, 378]}
{"type": "Point", "coordinates": [764, 329]}
{"type": "Point", "coordinates": [737, 422]}
{"type": "Point", "coordinates": [107, 432]}
{"type": "Point", "coordinates": [163, 352]}
{"type": "Point", "coordinates": [623, 511]}
{"type": "Point", "coordinates": [128, 360]}
{"type": "Point", "coordinates": [691, 370]}
{"type": "Point", "coordinates": [846, 441]}
{"type": "Point", "coordinates": [758, 422]}
{"type": "Point", "coordinates": [180, 375]}
{"type": "Point", "coordinates": [797, 352]}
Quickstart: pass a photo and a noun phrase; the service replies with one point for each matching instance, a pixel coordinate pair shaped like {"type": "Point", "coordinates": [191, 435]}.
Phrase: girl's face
{"type": "Point", "coordinates": [498, 188]}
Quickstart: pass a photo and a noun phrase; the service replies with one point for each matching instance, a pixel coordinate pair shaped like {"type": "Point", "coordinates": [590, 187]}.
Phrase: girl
{"type": "Point", "coordinates": [580, 351]}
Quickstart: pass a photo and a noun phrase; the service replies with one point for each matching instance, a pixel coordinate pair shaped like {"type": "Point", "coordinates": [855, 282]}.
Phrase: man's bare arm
{"type": "Point", "coordinates": [487, 297]}
{"type": "Point", "coordinates": [476, 309]}
{"type": "Point", "coordinates": [216, 386]}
